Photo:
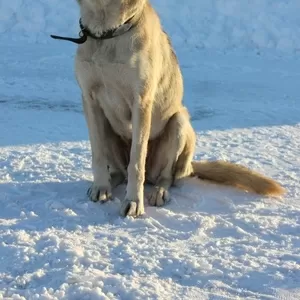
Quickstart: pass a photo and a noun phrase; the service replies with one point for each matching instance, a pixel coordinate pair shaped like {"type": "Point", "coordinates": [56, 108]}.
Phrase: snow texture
{"type": "Point", "coordinates": [214, 24]}
{"type": "Point", "coordinates": [210, 242]}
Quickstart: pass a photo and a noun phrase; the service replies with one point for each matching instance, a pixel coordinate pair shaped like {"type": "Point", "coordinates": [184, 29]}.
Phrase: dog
{"type": "Point", "coordinates": [132, 90]}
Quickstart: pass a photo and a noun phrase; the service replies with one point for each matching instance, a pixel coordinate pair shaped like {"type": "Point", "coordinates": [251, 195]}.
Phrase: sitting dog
{"type": "Point", "coordinates": [132, 92]}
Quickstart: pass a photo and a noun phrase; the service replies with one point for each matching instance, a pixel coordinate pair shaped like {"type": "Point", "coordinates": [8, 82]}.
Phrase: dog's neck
{"type": "Point", "coordinates": [98, 32]}
{"type": "Point", "coordinates": [99, 23]}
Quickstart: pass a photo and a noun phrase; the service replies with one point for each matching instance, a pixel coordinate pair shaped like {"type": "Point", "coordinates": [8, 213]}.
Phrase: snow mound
{"type": "Point", "coordinates": [212, 24]}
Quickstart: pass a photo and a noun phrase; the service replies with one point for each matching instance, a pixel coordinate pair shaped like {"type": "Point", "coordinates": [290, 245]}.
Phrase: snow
{"type": "Point", "coordinates": [210, 242]}
{"type": "Point", "coordinates": [211, 24]}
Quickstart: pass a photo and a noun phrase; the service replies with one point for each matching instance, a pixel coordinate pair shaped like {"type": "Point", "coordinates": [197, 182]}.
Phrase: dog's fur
{"type": "Point", "coordinates": [139, 130]}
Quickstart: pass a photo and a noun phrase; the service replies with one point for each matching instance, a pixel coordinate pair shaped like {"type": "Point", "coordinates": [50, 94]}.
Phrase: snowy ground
{"type": "Point", "coordinates": [210, 242]}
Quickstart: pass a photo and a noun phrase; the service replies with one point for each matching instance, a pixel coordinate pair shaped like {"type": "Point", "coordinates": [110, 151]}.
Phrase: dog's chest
{"type": "Point", "coordinates": [116, 97]}
{"type": "Point", "coordinates": [110, 76]}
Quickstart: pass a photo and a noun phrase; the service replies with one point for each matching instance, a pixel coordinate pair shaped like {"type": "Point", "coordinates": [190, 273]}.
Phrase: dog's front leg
{"type": "Point", "coordinates": [101, 188]}
{"type": "Point", "coordinates": [133, 205]}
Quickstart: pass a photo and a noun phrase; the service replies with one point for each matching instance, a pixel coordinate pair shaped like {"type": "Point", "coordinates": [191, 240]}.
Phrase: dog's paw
{"type": "Point", "coordinates": [99, 193]}
{"type": "Point", "coordinates": [159, 197]}
{"type": "Point", "coordinates": [132, 208]}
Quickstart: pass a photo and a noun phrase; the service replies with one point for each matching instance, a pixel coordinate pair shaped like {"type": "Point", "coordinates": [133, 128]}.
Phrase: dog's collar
{"type": "Point", "coordinates": [108, 34]}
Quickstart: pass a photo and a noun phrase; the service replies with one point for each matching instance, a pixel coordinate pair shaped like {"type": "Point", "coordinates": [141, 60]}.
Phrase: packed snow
{"type": "Point", "coordinates": [210, 242]}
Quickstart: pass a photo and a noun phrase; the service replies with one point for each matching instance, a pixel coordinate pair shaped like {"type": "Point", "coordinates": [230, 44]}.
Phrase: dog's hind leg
{"type": "Point", "coordinates": [118, 158]}
{"type": "Point", "coordinates": [170, 156]}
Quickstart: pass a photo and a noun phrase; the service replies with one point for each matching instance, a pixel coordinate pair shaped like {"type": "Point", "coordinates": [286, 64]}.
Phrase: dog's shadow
{"type": "Point", "coordinates": [66, 204]}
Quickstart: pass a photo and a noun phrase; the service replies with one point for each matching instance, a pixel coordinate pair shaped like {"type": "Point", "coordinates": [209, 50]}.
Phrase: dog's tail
{"type": "Point", "coordinates": [237, 176]}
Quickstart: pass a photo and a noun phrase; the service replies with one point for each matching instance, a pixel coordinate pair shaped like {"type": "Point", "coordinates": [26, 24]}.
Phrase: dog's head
{"type": "Point", "coordinates": [101, 15]}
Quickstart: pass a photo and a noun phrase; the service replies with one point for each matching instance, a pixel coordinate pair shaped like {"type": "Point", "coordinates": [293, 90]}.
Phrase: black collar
{"type": "Point", "coordinates": [108, 34]}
